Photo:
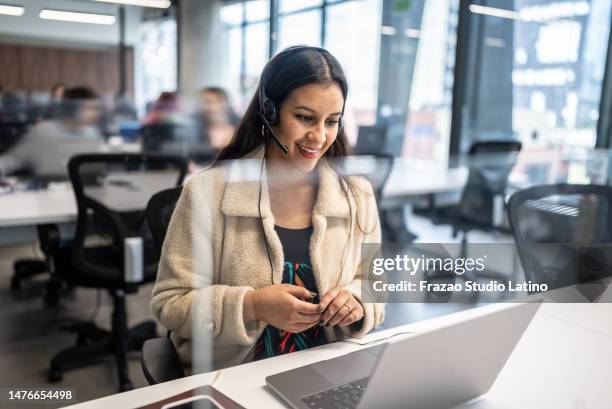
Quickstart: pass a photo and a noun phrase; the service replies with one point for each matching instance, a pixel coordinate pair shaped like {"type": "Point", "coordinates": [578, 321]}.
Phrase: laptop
{"type": "Point", "coordinates": [432, 370]}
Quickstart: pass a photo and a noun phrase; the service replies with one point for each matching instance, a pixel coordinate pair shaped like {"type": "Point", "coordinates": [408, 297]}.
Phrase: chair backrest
{"type": "Point", "coordinates": [490, 164]}
{"type": "Point", "coordinates": [10, 134]}
{"type": "Point", "coordinates": [112, 191]}
{"type": "Point", "coordinates": [563, 232]}
{"type": "Point", "coordinates": [159, 212]}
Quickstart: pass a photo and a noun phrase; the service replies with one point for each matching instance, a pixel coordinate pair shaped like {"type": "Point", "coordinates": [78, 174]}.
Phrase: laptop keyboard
{"type": "Point", "coordinates": [341, 397]}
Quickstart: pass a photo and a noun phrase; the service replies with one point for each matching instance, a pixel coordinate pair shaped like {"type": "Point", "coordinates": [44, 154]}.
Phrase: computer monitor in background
{"type": "Point", "coordinates": [371, 140]}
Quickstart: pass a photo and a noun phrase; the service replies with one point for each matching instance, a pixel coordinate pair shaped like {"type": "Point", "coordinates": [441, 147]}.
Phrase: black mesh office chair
{"type": "Point", "coordinates": [563, 233]}
{"type": "Point", "coordinates": [112, 248]}
{"type": "Point", "coordinates": [159, 359]}
{"type": "Point", "coordinates": [490, 164]}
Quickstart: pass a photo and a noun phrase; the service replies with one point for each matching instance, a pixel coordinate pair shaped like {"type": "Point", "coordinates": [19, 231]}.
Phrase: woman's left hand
{"type": "Point", "coordinates": [340, 307]}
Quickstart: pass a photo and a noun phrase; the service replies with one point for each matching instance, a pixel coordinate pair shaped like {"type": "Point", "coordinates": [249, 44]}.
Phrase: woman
{"type": "Point", "coordinates": [263, 252]}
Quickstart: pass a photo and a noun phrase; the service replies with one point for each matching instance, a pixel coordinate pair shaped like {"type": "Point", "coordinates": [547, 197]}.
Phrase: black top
{"type": "Point", "coordinates": [297, 271]}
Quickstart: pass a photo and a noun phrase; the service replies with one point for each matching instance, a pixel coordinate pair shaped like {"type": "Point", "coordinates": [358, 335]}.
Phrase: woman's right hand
{"type": "Point", "coordinates": [281, 306]}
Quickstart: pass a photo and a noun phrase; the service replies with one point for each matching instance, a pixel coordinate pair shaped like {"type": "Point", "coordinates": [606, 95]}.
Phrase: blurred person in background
{"type": "Point", "coordinates": [164, 110]}
{"type": "Point", "coordinates": [46, 148]}
{"type": "Point", "coordinates": [52, 110]}
{"type": "Point", "coordinates": [217, 118]}
{"type": "Point", "coordinates": [57, 93]}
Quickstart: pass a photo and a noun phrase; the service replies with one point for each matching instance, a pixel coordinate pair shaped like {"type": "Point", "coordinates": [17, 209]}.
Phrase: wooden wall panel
{"type": "Point", "coordinates": [27, 67]}
{"type": "Point", "coordinates": [49, 65]}
{"type": "Point", "coordinates": [9, 66]}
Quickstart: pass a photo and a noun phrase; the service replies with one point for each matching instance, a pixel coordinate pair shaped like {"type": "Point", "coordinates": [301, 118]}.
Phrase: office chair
{"type": "Point", "coordinates": [159, 359]}
{"type": "Point", "coordinates": [563, 233]}
{"type": "Point", "coordinates": [490, 165]}
{"type": "Point", "coordinates": [112, 249]}
{"type": "Point", "coordinates": [11, 133]}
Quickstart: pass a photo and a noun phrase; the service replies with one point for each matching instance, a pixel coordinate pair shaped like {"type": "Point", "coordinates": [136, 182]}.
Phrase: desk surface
{"type": "Point", "coordinates": [58, 205]}
{"type": "Point", "coordinates": [562, 361]}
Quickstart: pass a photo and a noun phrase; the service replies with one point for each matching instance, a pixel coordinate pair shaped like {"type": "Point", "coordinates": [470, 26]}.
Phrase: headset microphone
{"type": "Point", "coordinates": [266, 124]}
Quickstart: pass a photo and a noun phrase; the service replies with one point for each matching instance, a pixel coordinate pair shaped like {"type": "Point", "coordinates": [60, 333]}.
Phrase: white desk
{"type": "Point", "coordinates": [408, 179]}
{"type": "Point", "coordinates": [59, 206]}
{"type": "Point", "coordinates": [38, 207]}
{"type": "Point", "coordinates": [562, 362]}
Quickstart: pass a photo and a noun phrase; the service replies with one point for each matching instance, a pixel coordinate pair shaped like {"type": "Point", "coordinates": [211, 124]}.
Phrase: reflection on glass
{"type": "Point", "coordinates": [352, 36]}
{"type": "Point", "coordinates": [300, 29]}
{"type": "Point", "coordinates": [287, 6]}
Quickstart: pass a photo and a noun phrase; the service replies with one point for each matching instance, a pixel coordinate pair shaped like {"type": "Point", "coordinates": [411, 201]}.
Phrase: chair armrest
{"type": "Point", "coordinates": [160, 361]}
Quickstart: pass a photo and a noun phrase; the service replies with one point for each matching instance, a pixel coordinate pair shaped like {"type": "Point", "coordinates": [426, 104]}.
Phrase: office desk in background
{"type": "Point", "coordinates": [562, 362]}
{"type": "Point", "coordinates": [58, 205]}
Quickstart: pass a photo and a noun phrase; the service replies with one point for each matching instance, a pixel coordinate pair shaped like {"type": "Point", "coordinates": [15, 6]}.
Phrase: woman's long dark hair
{"type": "Point", "coordinates": [288, 70]}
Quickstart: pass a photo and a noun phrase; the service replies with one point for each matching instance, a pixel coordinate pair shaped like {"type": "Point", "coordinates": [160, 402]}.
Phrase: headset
{"type": "Point", "coordinates": [269, 116]}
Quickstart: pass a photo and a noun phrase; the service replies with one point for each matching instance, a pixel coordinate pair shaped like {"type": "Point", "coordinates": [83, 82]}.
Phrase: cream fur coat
{"type": "Point", "coordinates": [215, 252]}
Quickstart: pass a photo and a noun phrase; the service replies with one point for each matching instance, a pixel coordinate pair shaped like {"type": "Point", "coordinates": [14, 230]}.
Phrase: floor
{"type": "Point", "coordinates": [31, 332]}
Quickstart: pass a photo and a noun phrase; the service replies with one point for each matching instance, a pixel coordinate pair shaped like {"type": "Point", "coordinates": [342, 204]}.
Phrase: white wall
{"type": "Point", "coordinates": [30, 28]}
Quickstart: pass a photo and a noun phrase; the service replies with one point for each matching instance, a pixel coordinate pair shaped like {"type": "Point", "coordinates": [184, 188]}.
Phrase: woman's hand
{"type": "Point", "coordinates": [280, 305]}
{"type": "Point", "coordinates": [340, 307]}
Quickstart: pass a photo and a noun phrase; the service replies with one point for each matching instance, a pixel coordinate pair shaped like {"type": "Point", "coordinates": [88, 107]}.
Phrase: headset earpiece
{"type": "Point", "coordinates": [269, 111]}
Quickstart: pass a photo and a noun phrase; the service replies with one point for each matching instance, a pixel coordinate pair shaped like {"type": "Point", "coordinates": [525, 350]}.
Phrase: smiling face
{"type": "Point", "coordinates": [308, 125]}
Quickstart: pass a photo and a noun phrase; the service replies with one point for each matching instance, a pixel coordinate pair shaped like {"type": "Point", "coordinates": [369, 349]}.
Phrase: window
{"type": "Point", "coordinates": [232, 38]}
{"type": "Point", "coordinates": [156, 61]}
{"type": "Point", "coordinates": [256, 47]}
{"type": "Point", "coordinates": [288, 6]}
{"type": "Point", "coordinates": [300, 29]}
{"type": "Point", "coordinates": [352, 36]}
{"type": "Point", "coordinates": [246, 39]}
{"type": "Point", "coordinates": [552, 56]}
{"type": "Point", "coordinates": [416, 77]}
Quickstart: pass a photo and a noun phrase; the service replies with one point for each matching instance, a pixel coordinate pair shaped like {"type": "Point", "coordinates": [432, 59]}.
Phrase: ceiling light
{"type": "Point", "coordinates": [77, 17]}
{"type": "Point", "coordinates": [160, 4]}
{"type": "Point", "coordinates": [494, 12]}
{"type": "Point", "coordinates": [11, 10]}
